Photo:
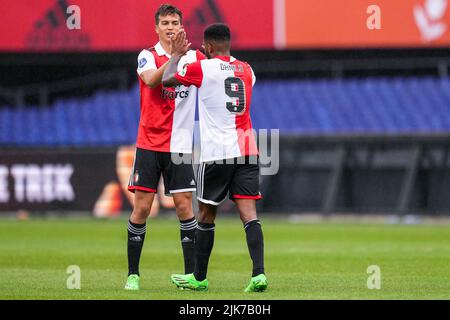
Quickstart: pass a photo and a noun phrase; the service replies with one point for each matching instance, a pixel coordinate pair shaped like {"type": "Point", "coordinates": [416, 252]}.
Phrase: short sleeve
{"type": "Point", "coordinates": [146, 61]}
{"type": "Point", "coordinates": [253, 77]}
{"type": "Point", "coordinates": [191, 74]}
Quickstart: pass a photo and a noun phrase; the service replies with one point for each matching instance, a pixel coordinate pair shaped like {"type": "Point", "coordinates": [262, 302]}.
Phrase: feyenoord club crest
{"type": "Point", "coordinates": [184, 70]}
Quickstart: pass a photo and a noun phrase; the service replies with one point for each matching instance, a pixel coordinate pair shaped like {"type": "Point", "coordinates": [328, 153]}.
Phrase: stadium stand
{"type": "Point", "coordinates": [398, 105]}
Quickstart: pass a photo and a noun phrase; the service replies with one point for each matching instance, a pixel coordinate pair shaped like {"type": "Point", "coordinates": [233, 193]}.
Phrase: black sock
{"type": "Point", "coordinates": [204, 241]}
{"type": "Point", "coordinates": [255, 243]}
{"type": "Point", "coordinates": [187, 236]}
{"type": "Point", "coordinates": [136, 237]}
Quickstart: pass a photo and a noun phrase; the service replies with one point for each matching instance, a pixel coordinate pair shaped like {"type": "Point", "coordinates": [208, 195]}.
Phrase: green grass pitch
{"type": "Point", "coordinates": [303, 261]}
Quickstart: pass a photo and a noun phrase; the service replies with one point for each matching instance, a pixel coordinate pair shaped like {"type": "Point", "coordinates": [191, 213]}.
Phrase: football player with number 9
{"type": "Point", "coordinates": [229, 155]}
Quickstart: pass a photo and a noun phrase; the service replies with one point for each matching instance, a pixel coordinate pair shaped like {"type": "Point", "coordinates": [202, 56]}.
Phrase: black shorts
{"type": "Point", "coordinates": [238, 178]}
{"type": "Point", "coordinates": [148, 167]}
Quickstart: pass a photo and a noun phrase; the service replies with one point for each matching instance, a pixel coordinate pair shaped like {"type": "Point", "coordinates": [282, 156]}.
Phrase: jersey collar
{"type": "Point", "coordinates": [226, 59]}
{"type": "Point", "coordinates": [160, 50]}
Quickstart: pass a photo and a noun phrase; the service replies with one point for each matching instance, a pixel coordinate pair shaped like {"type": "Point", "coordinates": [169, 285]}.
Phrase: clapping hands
{"type": "Point", "coordinates": [179, 44]}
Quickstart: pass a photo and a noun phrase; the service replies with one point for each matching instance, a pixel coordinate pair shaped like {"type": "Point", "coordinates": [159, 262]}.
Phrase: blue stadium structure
{"type": "Point", "coordinates": [299, 107]}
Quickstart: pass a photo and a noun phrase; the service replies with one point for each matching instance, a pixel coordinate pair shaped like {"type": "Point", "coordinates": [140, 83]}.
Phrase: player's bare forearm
{"type": "Point", "coordinates": [153, 78]}
{"type": "Point", "coordinates": [168, 78]}
{"type": "Point", "coordinates": [179, 46]}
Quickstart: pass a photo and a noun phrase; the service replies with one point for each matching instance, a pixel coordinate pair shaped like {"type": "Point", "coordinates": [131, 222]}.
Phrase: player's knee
{"type": "Point", "coordinates": [184, 209]}
{"type": "Point", "coordinates": [248, 215]}
{"type": "Point", "coordinates": [247, 210]}
{"type": "Point", "coordinates": [183, 204]}
{"type": "Point", "coordinates": [141, 210]}
{"type": "Point", "coordinates": [206, 215]}
{"type": "Point", "coordinates": [206, 219]}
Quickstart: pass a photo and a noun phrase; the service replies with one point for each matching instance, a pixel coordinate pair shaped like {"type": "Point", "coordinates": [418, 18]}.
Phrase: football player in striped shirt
{"type": "Point", "coordinates": [165, 128]}
{"type": "Point", "coordinates": [229, 155]}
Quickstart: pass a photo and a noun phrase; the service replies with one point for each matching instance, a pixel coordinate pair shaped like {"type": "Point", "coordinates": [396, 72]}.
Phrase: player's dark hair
{"type": "Point", "coordinates": [217, 32]}
{"type": "Point", "coordinates": [167, 9]}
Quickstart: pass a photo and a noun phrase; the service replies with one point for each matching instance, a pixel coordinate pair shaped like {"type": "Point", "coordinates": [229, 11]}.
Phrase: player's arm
{"type": "Point", "coordinates": [168, 79]}
{"type": "Point", "coordinates": [147, 70]}
{"type": "Point", "coordinates": [179, 48]}
{"type": "Point", "coordinates": [192, 74]}
{"type": "Point", "coordinates": [153, 78]}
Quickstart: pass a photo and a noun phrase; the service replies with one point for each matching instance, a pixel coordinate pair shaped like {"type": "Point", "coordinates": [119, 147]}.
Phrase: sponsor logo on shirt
{"type": "Point", "coordinates": [168, 94]}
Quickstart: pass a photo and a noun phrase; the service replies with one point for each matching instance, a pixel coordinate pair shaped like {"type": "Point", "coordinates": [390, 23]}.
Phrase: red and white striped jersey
{"type": "Point", "coordinates": [167, 114]}
{"type": "Point", "coordinates": [224, 97]}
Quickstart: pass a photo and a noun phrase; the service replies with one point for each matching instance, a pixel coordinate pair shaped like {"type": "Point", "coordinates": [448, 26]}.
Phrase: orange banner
{"type": "Point", "coordinates": [367, 23]}
{"type": "Point", "coordinates": [124, 25]}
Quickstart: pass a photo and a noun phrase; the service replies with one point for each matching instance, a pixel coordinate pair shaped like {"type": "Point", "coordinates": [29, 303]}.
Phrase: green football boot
{"type": "Point", "coordinates": [188, 281]}
{"type": "Point", "coordinates": [132, 282]}
{"type": "Point", "coordinates": [257, 284]}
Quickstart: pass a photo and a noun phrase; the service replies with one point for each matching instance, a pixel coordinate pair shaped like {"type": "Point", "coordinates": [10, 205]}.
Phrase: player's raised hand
{"type": "Point", "coordinates": [179, 44]}
{"type": "Point", "coordinates": [178, 41]}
